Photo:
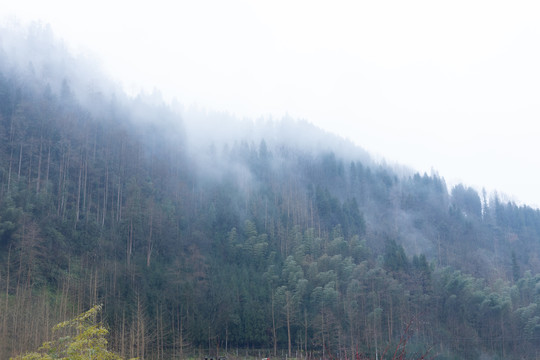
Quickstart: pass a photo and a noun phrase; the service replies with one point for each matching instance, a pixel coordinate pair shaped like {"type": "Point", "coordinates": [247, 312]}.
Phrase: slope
{"type": "Point", "coordinates": [277, 237]}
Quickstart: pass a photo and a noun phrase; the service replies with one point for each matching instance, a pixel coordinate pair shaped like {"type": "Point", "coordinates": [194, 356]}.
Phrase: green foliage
{"type": "Point", "coordinates": [249, 244]}
{"type": "Point", "coordinates": [83, 340]}
{"type": "Point", "coordinates": [394, 257]}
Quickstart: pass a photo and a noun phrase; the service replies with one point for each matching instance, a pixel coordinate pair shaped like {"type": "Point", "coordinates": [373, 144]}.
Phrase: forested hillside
{"type": "Point", "coordinates": [269, 240]}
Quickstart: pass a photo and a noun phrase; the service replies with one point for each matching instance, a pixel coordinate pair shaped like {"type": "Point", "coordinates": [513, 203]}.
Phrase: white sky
{"type": "Point", "coordinates": [449, 85]}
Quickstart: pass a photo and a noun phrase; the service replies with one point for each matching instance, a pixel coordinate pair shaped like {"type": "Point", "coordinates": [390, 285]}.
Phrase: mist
{"type": "Point", "coordinates": [203, 231]}
{"type": "Point", "coordinates": [212, 147]}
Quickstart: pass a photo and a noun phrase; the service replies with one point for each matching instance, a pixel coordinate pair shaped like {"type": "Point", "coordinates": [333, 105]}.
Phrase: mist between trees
{"type": "Point", "coordinates": [277, 239]}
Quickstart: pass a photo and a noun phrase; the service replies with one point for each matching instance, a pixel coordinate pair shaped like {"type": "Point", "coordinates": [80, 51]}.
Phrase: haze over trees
{"type": "Point", "coordinates": [202, 234]}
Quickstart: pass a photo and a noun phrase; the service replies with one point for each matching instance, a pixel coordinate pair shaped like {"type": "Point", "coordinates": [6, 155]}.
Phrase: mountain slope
{"type": "Point", "coordinates": [276, 236]}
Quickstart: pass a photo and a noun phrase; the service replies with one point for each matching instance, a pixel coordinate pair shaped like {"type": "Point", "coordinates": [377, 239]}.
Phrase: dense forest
{"type": "Point", "coordinates": [268, 238]}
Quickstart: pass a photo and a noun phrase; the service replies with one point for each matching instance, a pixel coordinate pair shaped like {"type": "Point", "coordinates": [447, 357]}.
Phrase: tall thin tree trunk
{"type": "Point", "coordinates": [130, 243]}
{"type": "Point", "coordinates": [150, 244]}
{"type": "Point", "coordinates": [20, 162]}
{"type": "Point", "coordinates": [305, 330]}
{"type": "Point", "coordinates": [9, 171]}
{"type": "Point", "coordinates": [118, 200]}
{"type": "Point", "coordinates": [322, 333]}
{"type": "Point", "coordinates": [288, 322]}
{"type": "Point", "coordinates": [5, 317]}
{"type": "Point", "coordinates": [274, 326]}
{"type": "Point", "coordinates": [38, 182]}
{"type": "Point", "coordinates": [11, 135]}
{"type": "Point", "coordinates": [105, 195]}
{"type": "Point", "coordinates": [29, 177]}
{"type": "Point", "coordinates": [123, 335]}
{"type": "Point", "coordinates": [48, 166]}
{"type": "Point", "coordinates": [85, 186]}
{"type": "Point", "coordinates": [78, 205]}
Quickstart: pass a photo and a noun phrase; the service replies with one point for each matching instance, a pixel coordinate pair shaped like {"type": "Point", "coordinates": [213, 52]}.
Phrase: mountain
{"type": "Point", "coordinates": [203, 235]}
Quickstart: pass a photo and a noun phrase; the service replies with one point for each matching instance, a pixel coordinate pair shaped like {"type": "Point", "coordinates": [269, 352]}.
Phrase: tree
{"type": "Point", "coordinates": [86, 340]}
{"type": "Point", "coordinates": [515, 268]}
{"type": "Point", "coordinates": [291, 294]}
{"type": "Point", "coordinates": [467, 200]}
{"type": "Point", "coordinates": [395, 259]}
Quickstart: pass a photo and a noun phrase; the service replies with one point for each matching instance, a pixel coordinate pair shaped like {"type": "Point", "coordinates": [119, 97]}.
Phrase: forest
{"type": "Point", "coordinates": [276, 240]}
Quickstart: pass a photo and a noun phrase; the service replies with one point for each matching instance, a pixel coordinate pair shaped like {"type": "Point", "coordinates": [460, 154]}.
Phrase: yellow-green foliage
{"type": "Point", "coordinates": [88, 341]}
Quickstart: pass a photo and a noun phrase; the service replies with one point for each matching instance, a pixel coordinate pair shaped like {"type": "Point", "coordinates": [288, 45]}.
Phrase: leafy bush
{"type": "Point", "coordinates": [85, 340]}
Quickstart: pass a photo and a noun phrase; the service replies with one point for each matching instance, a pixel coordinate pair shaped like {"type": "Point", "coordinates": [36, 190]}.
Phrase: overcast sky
{"type": "Point", "coordinates": [448, 85]}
